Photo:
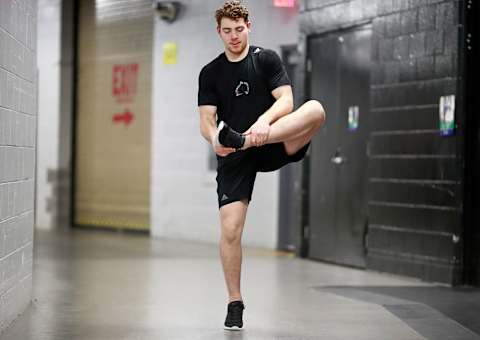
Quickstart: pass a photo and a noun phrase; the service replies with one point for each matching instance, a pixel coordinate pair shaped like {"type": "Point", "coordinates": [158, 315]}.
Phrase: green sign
{"type": "Point", "coordinates": [353, 113]}
{"type": "Point", "coordinates": [447, 115]}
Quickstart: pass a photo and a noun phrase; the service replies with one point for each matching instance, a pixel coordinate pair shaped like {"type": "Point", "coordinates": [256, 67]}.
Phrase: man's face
{"type": "Point", "coordinates": [234, 34]}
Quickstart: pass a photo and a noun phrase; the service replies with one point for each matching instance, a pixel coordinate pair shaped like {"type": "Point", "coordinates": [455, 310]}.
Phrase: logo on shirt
{"type": "Point", "coordinates": [242, 88]}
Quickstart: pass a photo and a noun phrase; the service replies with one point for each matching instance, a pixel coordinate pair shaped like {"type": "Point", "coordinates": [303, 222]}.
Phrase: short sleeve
{"type": "Point", "coordinates": [206, 89]}
{"type": "Point", "coordinates": [273, 69]}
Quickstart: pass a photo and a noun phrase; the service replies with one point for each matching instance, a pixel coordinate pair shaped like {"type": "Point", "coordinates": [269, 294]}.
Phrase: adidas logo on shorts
{"type": "Point", "coordinates": [224, 197]}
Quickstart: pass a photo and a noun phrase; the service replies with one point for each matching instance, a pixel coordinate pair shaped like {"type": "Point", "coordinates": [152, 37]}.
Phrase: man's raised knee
{"type": "Point", "coordinates": [316, 111]}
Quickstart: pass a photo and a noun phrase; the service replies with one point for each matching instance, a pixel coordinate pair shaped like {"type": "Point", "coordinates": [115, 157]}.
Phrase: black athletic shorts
{"type": "Point", "coordinates": [236, 177]}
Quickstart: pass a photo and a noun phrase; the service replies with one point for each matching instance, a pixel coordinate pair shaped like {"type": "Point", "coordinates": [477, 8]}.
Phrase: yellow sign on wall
{"type": "Point", "coordinates": [170, 53]}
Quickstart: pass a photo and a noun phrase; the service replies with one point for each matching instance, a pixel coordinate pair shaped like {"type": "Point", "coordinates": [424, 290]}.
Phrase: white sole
{"type": "Point", "coordinates": [234, 328]}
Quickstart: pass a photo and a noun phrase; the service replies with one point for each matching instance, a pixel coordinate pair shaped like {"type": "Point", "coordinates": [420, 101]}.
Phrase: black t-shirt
{"type": "Point", "coordinates": [241, 90]}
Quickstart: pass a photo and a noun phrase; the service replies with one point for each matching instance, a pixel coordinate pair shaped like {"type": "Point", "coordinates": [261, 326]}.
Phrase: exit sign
{"type": "Point", "coordinates": [284, 3]}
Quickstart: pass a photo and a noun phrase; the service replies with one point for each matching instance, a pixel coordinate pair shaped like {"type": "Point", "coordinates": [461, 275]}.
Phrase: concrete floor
{"type": "Point", "coordinates": [100, 285]}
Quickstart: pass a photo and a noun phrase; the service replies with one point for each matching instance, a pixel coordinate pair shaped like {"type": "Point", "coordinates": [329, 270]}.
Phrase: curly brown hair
{"type": "Point", "coordinates": [233, 9]}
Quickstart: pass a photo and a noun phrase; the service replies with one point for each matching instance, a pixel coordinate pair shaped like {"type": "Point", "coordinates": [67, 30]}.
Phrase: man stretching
{"type": "Point", "coordinates": [245, 102]}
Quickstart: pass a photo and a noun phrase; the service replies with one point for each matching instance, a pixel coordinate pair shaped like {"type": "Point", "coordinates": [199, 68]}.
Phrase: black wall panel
{"type": "Point", "coordinates": [427, 169]}
{"type": "Point", "coordinates": [425, 219]}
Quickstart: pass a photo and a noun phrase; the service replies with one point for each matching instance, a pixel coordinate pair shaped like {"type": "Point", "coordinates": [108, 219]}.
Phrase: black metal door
{"type": "Point", "coordinates": [323, 56]}
{"type": "Point", "coordinates": [340, 69]}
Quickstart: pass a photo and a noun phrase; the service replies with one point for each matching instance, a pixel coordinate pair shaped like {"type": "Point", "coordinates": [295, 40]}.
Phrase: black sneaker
{"type": "Point", "coordinates": [229, 137]}
{"type": "Point", "coordinates": [234, 321]}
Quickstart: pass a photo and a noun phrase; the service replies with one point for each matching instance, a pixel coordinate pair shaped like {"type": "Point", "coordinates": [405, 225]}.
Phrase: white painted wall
{"type": "Point", "coordinates": [48, 63]}
{"type": "Point", "coordinates": [183, 192]}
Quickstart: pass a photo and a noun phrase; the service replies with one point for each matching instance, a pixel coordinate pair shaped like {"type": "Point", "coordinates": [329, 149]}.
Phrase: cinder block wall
{"type": "Point", "coordinates": [416, 195]}
{"type": "Point", "coordinates": [415, 176]}
{"type": "Point", "coordinates": [18, 107]}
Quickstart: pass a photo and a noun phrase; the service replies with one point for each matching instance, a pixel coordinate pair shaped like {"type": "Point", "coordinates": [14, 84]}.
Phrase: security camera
{"type": "Point", "coordinates": [167, 10]}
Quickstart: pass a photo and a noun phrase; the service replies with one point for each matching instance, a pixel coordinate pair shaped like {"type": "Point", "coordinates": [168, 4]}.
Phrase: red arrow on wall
{"type": "Point", "coordinates": [126, 117]}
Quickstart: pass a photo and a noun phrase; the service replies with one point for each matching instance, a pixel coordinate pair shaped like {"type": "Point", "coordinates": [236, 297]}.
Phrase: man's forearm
{"type": "Point", "coordinates": [281, 107]}
{"type": "Point", "coordinates": [208, 128]}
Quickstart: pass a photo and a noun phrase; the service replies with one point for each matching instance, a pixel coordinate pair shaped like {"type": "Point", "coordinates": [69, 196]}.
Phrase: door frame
{"type": "Point", "coordinates": [287, 229]}
{"type": "Point", "coordinates": [76, 23]}
{"type": "Point", "coordinates": [305, 212]}
{"type": "Point", "coordinates": [468, 102]}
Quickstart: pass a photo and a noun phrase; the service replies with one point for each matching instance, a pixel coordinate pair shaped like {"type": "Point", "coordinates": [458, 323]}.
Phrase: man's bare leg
{"type": "Point", "coordinates": [232, 218]}
{"type": "Point", "coordinates": [296, 128]}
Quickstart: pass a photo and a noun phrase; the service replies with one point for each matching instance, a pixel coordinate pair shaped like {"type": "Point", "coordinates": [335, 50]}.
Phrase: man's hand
{"type": "Point", "coordinates": [219, 149]}
{"type": "Point", "coordinates": [259, 132]}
